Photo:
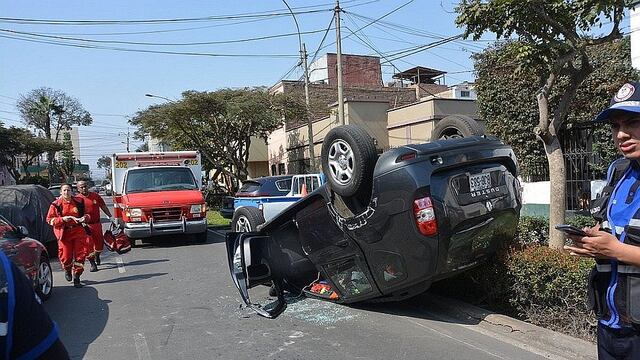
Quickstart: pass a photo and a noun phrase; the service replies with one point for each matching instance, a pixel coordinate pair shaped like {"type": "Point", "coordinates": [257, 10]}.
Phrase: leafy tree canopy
{"type": "Point", "coordinates": [507, 101]}
{"type": "Point", "coordinates": [219, 124]}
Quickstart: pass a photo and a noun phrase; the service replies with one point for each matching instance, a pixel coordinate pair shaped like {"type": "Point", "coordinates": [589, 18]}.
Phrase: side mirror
{"type": "Point", "coordinates": [249, 268]}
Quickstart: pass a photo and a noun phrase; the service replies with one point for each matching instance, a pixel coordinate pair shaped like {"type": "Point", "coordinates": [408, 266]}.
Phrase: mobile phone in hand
{"type": "Point", "coordinates": [570, 230]}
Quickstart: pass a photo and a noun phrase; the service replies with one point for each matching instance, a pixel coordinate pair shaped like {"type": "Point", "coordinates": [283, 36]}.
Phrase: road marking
{"type": "Point", "coordinates": [121, 268]}
{"type": "Point", "coordinates": [216, 232]}
{"type": "Point", "coordinates": [141, 347]}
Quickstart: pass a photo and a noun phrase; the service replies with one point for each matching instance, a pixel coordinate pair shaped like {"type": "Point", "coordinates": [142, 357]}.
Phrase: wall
{"type": "Point", "coordinates": [372, 116]}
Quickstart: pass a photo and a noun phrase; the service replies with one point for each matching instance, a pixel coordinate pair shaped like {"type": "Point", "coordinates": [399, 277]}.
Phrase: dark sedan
{"type": "Point", "coordinates": [29, 255]}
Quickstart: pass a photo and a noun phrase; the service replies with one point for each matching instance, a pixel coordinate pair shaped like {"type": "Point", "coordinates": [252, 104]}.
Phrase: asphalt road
{"type": "Point", "coordinates": [176, 300]}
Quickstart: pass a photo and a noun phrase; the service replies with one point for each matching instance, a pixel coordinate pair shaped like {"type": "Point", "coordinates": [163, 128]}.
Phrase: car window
{"type": "Point", "coordinates": [143, 180]}
{"type": "Point", "coordinates": [6, 230]}
{"type": "Point", "coordinates": [283, 185]}
{"type": "Point", "coordinates": [249, 186]}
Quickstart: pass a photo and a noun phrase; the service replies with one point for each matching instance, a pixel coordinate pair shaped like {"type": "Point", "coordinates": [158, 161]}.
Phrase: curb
{"type": "Point", "coordinates": [533, 338]}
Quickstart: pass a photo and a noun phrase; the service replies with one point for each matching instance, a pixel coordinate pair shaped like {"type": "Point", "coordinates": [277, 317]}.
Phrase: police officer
{"type": "Point", "coordinates": [26, 331]}
{"type": "Point", "coordinates": [614, 284]}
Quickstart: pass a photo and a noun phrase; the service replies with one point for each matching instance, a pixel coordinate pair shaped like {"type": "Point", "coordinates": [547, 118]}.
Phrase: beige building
{"type": "Point", "coordinates": [75, 141]}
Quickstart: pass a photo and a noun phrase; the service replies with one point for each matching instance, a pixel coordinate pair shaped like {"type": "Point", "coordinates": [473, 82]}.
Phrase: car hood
{"type": "Point", "coordinates": [163, 198]}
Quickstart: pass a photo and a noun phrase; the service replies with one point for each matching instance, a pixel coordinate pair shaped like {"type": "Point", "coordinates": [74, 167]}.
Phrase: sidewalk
{"type": "Point", "coordinates": [544, 342]}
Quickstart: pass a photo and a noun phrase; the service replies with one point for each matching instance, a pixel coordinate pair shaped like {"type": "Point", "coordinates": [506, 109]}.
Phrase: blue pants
{"type": "Point", "coordinates": [618, 344]}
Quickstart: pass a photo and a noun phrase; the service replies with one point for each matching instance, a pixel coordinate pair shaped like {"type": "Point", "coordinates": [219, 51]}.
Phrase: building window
{"type": "Point", "coordinates": [273, 169]}
{"type": "Point", "coordinates": [281, 169]}
{"type": "Point", "coordinates": [465, 93]}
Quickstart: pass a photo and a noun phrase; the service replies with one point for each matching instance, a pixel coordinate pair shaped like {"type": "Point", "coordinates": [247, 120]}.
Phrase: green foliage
{"type": "Point", "coordinates": [532, 282]}
{"type": "Point", "coordinates": [532, 230]}
{"type": "Point", "coordinates": [68, 160]}
{"type": "Point", "coordinates": [507, 102]}
{"type": "Point", "coordinates": [581, 221]}
{"type": "Point", "coordinates": [220, 124]}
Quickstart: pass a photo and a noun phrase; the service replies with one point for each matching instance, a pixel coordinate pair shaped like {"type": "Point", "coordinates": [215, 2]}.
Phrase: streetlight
{"type": "Point", "coordinates": [159, 97]}
{"type": "Point", "coordinates": [303, 59]}
{"type": "Point", "coordinates": [161, 144]}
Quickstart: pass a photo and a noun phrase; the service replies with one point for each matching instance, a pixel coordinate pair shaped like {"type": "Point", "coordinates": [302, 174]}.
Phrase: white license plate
{"type": "Point", "coordinates": [479, 181]}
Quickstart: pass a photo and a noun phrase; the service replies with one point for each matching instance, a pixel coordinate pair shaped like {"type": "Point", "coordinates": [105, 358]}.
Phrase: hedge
{"type": "Point", "coordinates": [532, 282]}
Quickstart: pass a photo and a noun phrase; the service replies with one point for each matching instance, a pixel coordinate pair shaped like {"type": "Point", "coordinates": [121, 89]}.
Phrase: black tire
{"type": "Point", "coordinates": [456, 127]}
{"type": "Point", "coordinates": [348, 159]}
{"type": "Point", "coordinates": [246, 219]}
{"type": "Point", "coordinates": [200, 238]}
{"type": "Point", "coordinates": [43, 283]}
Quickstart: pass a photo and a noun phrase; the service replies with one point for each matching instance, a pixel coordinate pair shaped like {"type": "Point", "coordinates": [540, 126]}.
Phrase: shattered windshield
{"type": "Point", "coordinates": [159, 179]}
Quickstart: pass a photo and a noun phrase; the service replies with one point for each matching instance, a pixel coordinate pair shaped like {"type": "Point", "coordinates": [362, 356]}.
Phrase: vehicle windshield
{"type": "Point", "coordinates": [159, 179]}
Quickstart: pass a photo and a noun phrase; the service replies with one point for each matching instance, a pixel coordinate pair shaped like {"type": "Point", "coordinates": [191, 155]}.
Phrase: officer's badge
{"type": "Point", "coordinates": [625, 92]}
{"type": "Point", "coordinates": [94, 202]}
{"type": "Point", "coordinates": [74, 210]}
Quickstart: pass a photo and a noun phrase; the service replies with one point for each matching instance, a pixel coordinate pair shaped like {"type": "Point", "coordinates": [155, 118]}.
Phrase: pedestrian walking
{"type": "Point", "coordinates": [614, 283]}
{"type": "Point", "coordinates": [26, 331]}
{"type": "Point", "coordinates": [93, 203]}
{"type": "Point", "coordinates": [67, 216]}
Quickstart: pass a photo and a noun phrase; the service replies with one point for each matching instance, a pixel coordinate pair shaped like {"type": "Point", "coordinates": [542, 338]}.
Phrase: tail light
{"type": "Point", "coordinates": [425, 216]}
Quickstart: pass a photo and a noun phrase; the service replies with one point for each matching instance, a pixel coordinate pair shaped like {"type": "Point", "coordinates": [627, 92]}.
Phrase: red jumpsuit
{"type": "Point", "coordinates": [93, 202]}
{"type": "Point", "coordinates": [72, 239]}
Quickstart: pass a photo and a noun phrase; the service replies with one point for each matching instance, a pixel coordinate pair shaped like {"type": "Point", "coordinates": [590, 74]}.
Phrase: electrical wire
{"type": "Point", "coordinates": [159, 44]}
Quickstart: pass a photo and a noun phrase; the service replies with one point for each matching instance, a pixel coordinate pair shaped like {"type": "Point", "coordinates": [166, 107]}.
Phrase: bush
{"type": "Point", "coordinates": [532, 282]}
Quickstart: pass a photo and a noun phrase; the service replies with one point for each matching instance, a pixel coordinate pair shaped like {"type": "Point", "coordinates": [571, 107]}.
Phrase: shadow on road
{"type": "Point", "coordinates": [87, 322]}
{"type": "Point", "coordinates": [427, 306]}
{"type": "Point", "coordinates": [124, 278]}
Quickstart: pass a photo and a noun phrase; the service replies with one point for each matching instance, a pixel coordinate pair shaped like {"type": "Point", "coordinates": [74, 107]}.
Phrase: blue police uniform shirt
{"type": "Point", "coordinates": [619, 215]}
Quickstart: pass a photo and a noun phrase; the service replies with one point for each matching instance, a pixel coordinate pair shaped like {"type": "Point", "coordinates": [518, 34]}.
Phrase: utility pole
{"type": "Point", "coordinates": [128, 135]}
{"type": "Point", "coordinates": [339, 61]}
{"type": "Point", "coordinates": [303, 60]}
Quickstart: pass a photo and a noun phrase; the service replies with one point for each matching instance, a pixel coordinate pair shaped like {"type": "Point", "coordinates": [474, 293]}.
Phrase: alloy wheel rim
{"type": "Point", "coordinates": [45, 278]}
{"type": "Point", "coordinates": [341, 162]}
{"type": "Point", "coordinates": [243, 225]}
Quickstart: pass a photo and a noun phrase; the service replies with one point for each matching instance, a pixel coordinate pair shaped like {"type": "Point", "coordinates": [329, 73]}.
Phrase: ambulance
{"type": "Point", "coordinates": [158, 193]}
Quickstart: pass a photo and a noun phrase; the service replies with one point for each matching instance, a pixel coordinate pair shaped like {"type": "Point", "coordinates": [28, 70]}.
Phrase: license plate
{"type": "Point", "coordinates": [479, 181]}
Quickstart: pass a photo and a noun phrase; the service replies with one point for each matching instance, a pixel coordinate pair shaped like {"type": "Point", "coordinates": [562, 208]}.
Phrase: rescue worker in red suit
{"type": "Point", "coordinates": [67, 216]}
{"type": "Point", "coordinates": [93, 203]}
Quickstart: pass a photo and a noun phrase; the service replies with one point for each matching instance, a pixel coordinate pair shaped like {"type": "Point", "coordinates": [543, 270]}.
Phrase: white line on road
{"type": "Point", "coordinates": [216, 232]}
{"type": "Point", "coordinates": [121, 268]}
{"type": "Point", "coordinates": [141, 347]}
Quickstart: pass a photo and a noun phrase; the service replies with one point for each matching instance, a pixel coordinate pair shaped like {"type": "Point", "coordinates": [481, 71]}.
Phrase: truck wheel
{"type": "Point", "coordinates": [348, 159]}
{"type": "Point", "coordinates": [456, 127]}
{"type": "Point", "coordinates": [246, 219]}
{"type": "Point", "coordinates": [44, 279]}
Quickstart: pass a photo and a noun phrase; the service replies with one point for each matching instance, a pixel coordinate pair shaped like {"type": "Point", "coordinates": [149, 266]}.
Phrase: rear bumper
{"type": "Point", "coordinates": [149, 229]}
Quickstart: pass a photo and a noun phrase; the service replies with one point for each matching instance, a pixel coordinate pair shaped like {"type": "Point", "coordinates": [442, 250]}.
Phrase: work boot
{"type": "Point", "coordinates": [67, 275]}
{"type": "Point", "coordinates": [76, 281]}
{"type": "Point", "coordinates": [97, 258]}
{"type": "Point", "coordinates": [92, 265]}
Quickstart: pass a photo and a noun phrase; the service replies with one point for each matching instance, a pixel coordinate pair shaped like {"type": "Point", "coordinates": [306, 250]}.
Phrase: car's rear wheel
{"type": "Point", "coordinates": [348, 159]}
{"type": "Point", "coordinates": [44, 279]}
{"type": "Point", "coordinates": [456, 127]}
{"type": "Point", "coordinates": [246, 219]}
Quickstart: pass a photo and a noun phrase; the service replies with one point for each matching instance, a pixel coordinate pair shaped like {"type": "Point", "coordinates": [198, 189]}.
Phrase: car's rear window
{"type": "Point", "coordinates": [249, 186]}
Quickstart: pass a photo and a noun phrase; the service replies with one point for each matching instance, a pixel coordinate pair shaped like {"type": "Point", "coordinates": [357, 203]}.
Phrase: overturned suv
{"type": "Point", "coordinates": [384, 227]}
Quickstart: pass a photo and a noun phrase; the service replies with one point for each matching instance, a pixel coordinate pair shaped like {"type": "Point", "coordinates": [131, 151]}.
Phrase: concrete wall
{"type": "Point", "coordinates": [372, 116]}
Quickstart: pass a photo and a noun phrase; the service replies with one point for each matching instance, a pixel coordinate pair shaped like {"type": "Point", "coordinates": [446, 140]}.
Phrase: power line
{"type": "Point", "coordinates": [22, 38]}
{"type": "Point", "coordinates": [153, 21]}
{"type": "Point", "coordinates": [158, 44]}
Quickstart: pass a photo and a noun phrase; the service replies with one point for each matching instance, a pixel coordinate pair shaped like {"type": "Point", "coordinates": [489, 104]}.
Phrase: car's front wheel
{"type": "Point", "coordinates": [44, 279]}
{"type": "Point", "coordinates": [246, 219]}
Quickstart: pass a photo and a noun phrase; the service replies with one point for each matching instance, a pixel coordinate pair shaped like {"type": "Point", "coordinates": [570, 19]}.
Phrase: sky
{"type": "Point", "coordinates": [109, 54]}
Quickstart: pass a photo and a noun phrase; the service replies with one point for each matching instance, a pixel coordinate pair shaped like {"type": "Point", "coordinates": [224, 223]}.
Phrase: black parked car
{"type": "Point", "coordinates": [383, 228]}
{"type": "Point", "coordinates": [278, 185]}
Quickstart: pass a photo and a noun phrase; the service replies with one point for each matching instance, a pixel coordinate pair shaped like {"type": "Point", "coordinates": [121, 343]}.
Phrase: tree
{"type": "Point", "coordinates": [143, 148]}
{"type": "Point", "coordinates": [52, 111]}
{"type": "Point", "coordinates": [219, 124]}
{"type": "Point", "coordinates": [17, 143]}
{"type": "Point", "coordinates": [506, 100]}
{"type": "Point", "coordinates": [104, 162]}
{"type": "Point", "coordinates": [68, 160]}
{"type": "Point", "coordinates": [553, 42]}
